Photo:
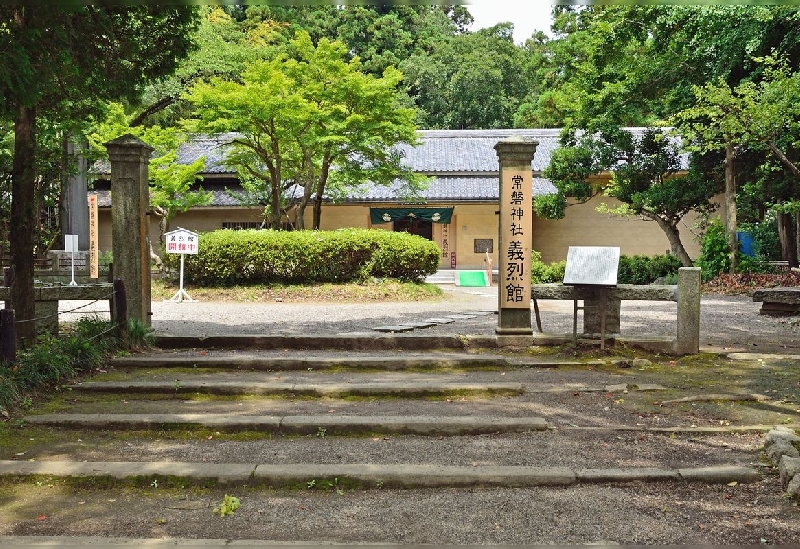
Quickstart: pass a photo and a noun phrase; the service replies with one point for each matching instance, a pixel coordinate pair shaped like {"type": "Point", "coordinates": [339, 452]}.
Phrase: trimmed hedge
{"type": "Point", "coordinates": [229, 257]}
{"type": "Point", "coordinates": [633, 269]}
{"type": "Point", "coordinates": [642, 269]}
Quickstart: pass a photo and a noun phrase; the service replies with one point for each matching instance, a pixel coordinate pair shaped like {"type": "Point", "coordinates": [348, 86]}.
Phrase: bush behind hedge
{"type": "Point", "coordinates": [635, 269]}
{"type": "Point", "coordinates": [227, 257]}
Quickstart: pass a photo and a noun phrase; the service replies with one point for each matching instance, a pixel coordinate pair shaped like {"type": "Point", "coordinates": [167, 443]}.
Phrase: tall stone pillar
{"type": "Point", "coordinates": [74, 206]}
{"type": "Point", "coordinates": [515, 239]}
{"type": "Point", "coordinates": [130, 199]}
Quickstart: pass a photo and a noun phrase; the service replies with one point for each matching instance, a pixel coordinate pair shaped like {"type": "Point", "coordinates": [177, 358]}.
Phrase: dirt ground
{"type": "Point", "coordinates": [599, 413]}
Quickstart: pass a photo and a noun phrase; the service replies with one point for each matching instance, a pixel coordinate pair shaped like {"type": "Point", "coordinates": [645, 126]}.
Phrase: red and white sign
{"type": "Point", "coordinates": [181, 241]}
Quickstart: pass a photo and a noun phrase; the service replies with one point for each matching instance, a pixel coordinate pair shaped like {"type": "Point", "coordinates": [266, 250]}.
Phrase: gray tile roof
{"type": "Point", "coordinates": [462, 165]}
{"type": "Point", "coordinates": [439, 151]}
{"type": "Point", "coordinates": [459, 151]}
{"type": "Point", "coordinates": [479, 188]}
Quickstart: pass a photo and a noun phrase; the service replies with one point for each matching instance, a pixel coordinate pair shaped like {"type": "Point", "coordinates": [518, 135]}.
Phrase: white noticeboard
{"type": "Point", "coordinates": [71, 246]}
{"type": "Point", "coordinates": [181, 241]}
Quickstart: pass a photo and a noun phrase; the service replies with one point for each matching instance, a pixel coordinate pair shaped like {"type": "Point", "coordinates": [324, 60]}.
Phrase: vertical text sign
{"type": "Point", "coordinates": [516, 227]}
{"type": "Point", "coordinates": [93, 244]}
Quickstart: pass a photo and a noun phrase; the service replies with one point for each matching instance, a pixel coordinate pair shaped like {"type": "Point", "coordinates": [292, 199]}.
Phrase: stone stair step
{"type": "Point", "coordinates": [366, 476]}
{"type": "Point", "coordinates": [290, 361]}
{"type": "Point", "coordinates": [367, 341]}
{"type": "Point", "coordinates": [407, 389]}
{"type": "Point", "coordinates": [298, 425]}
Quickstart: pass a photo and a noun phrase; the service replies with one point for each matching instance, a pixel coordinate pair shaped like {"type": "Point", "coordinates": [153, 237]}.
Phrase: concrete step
{"type": "Point", "coordinates": [296, 425]}
{"type": "Point", "coordinates": [368, 341]}
{"type": "Point", "coordinates": [368, 476]}
{"type": "Point", "coordinates": [331, 389]}
{"type": "Point", "coordinates": [287, 361]}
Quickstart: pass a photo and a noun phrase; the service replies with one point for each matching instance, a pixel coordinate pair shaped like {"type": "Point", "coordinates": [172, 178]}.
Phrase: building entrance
{"type": "Point", "coordinates": [419, 227]}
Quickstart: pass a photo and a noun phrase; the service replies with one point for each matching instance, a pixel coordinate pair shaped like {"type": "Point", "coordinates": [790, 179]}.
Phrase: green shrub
{"type": "Point", "coordinates": [53, 359]}
{"type": "Point", "coordinates": [641, 269]}
{"type": "Point", "coordinates": [228, 257]}
{"type": "Point", "coordinates": [542, 273]}
{"type": "Point", "coordinates": [637, 269]}
{"type": "Point", "coordinates": [714, 258]}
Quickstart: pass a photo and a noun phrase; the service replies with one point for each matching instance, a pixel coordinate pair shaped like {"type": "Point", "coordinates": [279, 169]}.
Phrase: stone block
{"type": "Point", "coordinates": [781, 433]}
{"type": "Point", "coordinates": [793, 489]}
{"type": "Point", "coordinates": [592, 311]}
{"type": "Point", "coordinates": [780, 448]}
{"type": "Point", "coordinates": [789, 468]}
{"type": "Point", "coordinates": [688, 335]}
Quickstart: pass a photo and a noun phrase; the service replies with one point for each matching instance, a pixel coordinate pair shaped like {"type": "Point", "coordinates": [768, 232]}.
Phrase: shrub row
{"type": "Point", "coordinates": [636, 269]}
{"type": "Point", "coordinates": [228, 257]}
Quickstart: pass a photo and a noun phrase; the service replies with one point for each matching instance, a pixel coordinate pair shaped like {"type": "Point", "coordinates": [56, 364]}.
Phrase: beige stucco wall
{"type": "Point", "coordinates": [582, 226]}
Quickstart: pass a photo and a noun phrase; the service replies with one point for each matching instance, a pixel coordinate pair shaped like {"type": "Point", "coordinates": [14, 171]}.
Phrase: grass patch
{"type": "Point", "coordinates": [374, 290]}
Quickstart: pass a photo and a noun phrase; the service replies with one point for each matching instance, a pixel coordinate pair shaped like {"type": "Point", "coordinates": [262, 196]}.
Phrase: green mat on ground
{"type": "Point", "coordinates": [471, 278]}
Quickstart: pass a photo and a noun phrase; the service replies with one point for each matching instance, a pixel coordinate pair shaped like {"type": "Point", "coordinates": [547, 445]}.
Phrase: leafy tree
{"type": "Point", "coordinates": [470, 81]}
{"type": "Point", "coordinates": [645, 178]}
{"type": "Point", "coordinates": [223, 47]}
{"type": "Point", "coordinates": [59, 61]}
{"type": "Point", "coordinates": [380, 35]}
{"type": "Point", "coordinates": [759, 114]}
{"type": "Point", "coordinates": [172, 184]}
{"type": "Point", "coordinates": [304, 116]}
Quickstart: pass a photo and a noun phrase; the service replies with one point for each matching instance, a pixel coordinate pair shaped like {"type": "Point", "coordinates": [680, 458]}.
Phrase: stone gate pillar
{"type": "Point", "coordinates": [515, 239]}
{"type": "Point", "coordinates": [130, 199]}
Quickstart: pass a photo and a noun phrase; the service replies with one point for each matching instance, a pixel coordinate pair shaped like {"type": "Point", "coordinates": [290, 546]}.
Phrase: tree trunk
{"type": "Point", "coordinates": [788, 237]}
{"type": "Point", "coordinates": [307, 189]}
{"type": "Point", "coordinates": [23, 220]}
{"type": "Point", "coordinates": [321, 182]}
{"type": "Point", "coordinates": [275, 206]}
{"type": "Point", "coordinates": [674, 238]}
{"type": "Point", "coordinates": [730, 206]}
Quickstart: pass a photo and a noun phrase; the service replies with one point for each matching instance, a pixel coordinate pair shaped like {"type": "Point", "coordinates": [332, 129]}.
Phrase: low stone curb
{"type": "Point", "coordinates": [288, 363]}
{"type": "Point", "coordinates": [406, 389]}
{"type": "Point", "coordinates": [781, 446]}
{"type": "Point", "coordinates": [301, 425]}
{"type": "Point", "coordinates": [365, 476]}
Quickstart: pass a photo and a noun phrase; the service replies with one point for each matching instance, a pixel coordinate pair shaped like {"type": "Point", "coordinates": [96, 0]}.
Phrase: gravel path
{"type": "Point", "coordinates": [727, 323]}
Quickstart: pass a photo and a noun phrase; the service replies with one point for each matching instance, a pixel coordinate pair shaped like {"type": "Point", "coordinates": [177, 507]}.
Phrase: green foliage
{"type": "Point", "coordinates": [542, 273]}
{"type": "Point", "coordinates": [307, 114]}
{"type": "Point", "coordinates": [228, 506]}
{"type": "Point", "coordinates": [301, 257]}
{"type": "Point", "coordinates": [637, 269]}
{"type": "Point", "coordinates": [140, 336]}
{"type": "Point", "coordinates": [640, 269]}
{"type": "Point", "coordinates": [645, 166]}
{"type": "Point", "coordinates": [52, 360]}
{"type": "Point", "coordinates": [714, 257]}
{"type": "Point", "coordinates": [766, 242]}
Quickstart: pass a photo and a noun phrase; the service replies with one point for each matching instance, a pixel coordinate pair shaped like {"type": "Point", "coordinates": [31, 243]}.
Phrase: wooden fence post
{"type": "Point", "coordinates": [121, 310]}
{"type": "Point", "coordinates": [8, 336]}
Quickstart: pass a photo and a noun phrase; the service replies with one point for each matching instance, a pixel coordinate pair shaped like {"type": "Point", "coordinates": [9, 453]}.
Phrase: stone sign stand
{"type": "Point", "coordinates": [515, 155]}
{"type": "Point", "coordinates": [129, 157]}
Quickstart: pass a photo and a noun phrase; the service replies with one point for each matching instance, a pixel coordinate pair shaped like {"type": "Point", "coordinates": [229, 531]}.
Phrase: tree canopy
{"type": "Point", "coordinates": [303, 116]}
{"type": "Point", "coordinates": [59, 63]}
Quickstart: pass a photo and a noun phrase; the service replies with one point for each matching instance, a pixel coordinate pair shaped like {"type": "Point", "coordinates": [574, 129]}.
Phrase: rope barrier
{"type": "Point", "coordinates": [106, 298]}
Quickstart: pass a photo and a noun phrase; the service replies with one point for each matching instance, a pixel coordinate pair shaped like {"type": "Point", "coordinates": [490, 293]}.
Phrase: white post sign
{"type": "Point", "coordinates": [71, 246]}
{"type": "Point", "coordinates": [181, 241]}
